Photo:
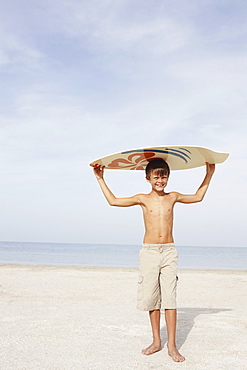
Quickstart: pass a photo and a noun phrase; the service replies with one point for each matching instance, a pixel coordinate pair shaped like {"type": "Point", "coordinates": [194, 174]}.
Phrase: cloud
{"type": "Point", "coordinates": [13, 51]}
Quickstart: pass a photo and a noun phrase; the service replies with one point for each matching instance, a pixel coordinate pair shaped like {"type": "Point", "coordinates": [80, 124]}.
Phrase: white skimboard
{"type": "Point", "coordinates": [177, 157]}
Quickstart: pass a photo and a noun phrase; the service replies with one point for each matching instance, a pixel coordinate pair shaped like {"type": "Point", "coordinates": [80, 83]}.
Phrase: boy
{"type": "Point", "coordinates": [158, 257]}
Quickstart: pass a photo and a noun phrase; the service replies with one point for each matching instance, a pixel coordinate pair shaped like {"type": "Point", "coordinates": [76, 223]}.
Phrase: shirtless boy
{"type": "Point", "coordinates": [158, 257]}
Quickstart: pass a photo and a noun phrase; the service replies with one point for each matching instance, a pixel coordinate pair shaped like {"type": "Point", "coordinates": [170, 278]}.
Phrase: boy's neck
{"type": "Point", "coordinates": [157, 193]}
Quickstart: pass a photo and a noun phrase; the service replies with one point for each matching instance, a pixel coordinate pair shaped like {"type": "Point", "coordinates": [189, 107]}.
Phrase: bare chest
{"type": "Point", "coordinates": [158, 207]}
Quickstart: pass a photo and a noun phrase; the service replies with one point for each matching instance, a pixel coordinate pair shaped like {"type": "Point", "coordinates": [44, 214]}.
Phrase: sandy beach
{"type": "Point", "coordinates": [86, 318]}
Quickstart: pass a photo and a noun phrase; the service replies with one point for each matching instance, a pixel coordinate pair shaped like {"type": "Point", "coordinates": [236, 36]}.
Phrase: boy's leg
{"type": "Point", "coordinates": [171, 322]}
{"type": "Point", "coordinates": [155, 324]}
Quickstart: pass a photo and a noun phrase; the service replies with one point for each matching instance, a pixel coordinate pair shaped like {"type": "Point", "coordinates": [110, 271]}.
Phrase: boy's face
{"type": "Point", "coordinates": [157, 181]}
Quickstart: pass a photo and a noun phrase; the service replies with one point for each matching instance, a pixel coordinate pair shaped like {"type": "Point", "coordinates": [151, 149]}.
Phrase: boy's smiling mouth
{"type": "Point", "coordinates": [159, 185]}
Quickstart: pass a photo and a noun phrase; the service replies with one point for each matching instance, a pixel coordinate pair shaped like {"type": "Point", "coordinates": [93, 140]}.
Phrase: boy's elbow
{"type": "Point", "coordinates": [196, 198]}
{"type": "Point", "coordinates": [112, 202]}
{"type": "Point", "coordinates": [199, 198]}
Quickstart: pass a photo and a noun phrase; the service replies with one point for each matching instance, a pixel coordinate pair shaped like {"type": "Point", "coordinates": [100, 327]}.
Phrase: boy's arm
{"type": "Point", "coordinates": [200, 193]}
{"type": "Point", "coordinates": [110, 197]}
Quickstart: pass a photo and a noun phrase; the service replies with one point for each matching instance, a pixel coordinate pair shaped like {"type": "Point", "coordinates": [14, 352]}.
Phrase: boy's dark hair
{"type": "Point", "coordinates": [158, 165]}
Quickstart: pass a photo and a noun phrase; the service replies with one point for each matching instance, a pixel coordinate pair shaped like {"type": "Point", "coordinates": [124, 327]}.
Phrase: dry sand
{"type": "Point", "coordinates": [86, 318]}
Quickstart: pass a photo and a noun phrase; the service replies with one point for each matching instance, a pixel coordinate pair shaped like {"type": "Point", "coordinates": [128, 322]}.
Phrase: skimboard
{"type": "Point", "coordinates": [177, 157]}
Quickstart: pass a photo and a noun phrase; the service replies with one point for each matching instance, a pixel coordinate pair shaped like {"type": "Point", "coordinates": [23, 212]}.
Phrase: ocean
{"type": "Point", "coordinates": [101, 255]}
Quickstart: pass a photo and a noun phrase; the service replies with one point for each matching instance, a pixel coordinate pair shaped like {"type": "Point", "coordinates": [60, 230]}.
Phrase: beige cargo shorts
{"type": "Point", "coordinates": [157, 282]}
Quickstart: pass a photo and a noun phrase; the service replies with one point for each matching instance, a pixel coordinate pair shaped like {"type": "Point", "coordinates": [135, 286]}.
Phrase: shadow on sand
{"type": "Point", "coordinates": [186, 321]}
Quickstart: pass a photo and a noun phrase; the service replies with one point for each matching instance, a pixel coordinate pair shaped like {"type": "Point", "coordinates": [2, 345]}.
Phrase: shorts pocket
{"type": "Point", "coordinates": [140, 279]}
{"type": "Point", "coordinates": [140, 288]}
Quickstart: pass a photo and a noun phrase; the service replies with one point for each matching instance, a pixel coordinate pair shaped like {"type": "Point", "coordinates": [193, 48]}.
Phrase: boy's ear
{"type": "Point", "coordinates": [148, 178]}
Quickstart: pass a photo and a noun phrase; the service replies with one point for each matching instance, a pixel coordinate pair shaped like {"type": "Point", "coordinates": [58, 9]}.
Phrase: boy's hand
{"type": "Point", "coordinates": [99, 172]}
{"type": "Point", "coordinates": [210, 168]}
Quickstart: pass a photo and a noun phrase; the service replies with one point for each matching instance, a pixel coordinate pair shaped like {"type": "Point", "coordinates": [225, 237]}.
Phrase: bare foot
{"type": "Point", "coordinates": [151, 349]}
{"type": "Point", "coordinates": [175, 355]}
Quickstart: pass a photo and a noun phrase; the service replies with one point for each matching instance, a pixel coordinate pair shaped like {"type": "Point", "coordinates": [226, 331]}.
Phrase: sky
{"type": "Point", "coordinates": [82, 79]}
